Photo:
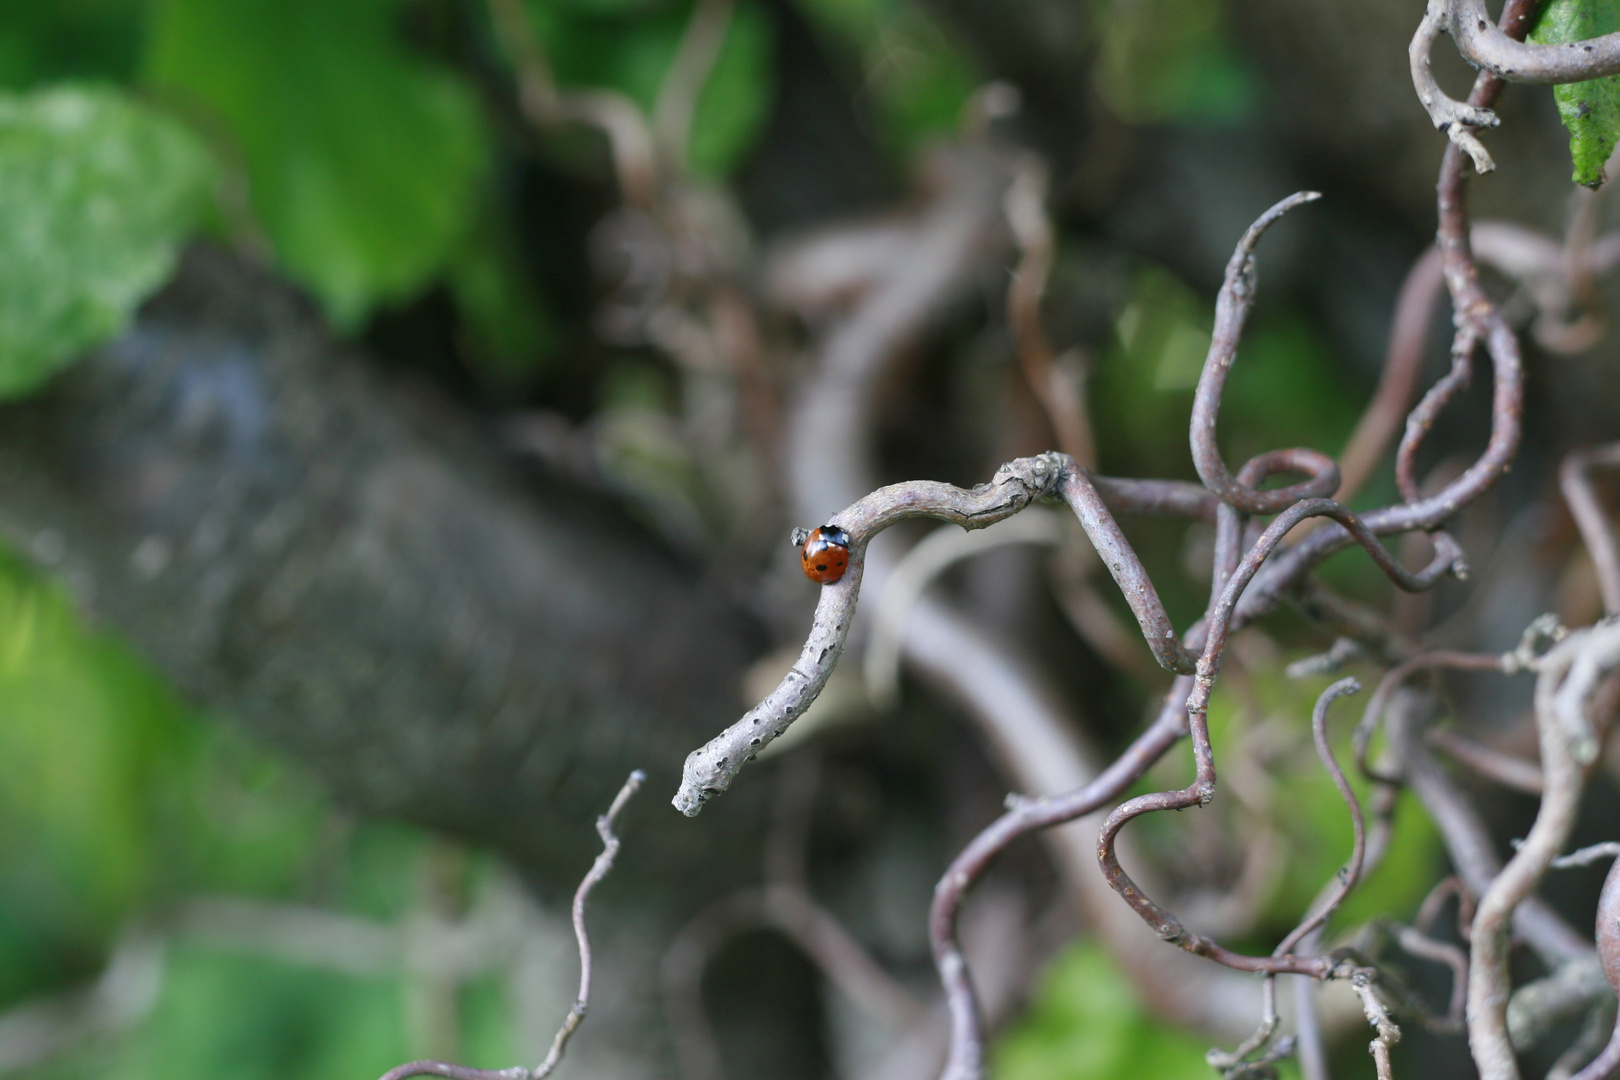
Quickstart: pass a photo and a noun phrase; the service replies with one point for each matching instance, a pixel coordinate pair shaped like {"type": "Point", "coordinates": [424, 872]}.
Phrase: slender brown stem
{"type": "Point", "coordinates": [1372, 715]}
{"type": "Point", "coordinates": [1565, 776]}
{"type": "Point", "coordinates": [544, 106]}
{"type": "Point", "coordinates": [1024, 816]}
{"type": "Point", "coordinates": [576, 1013]}
{"type": "Point", "coordinates": [1575, 478]}
{"type": "Point", "coordinates": [1231, 312]}
{"type": "Point", "coordinates": [1059, 388]}
{"type": "Point", "coordinates": [1351, 875]}
{"type": "Point", "coordinates": [1492, 764]}
{"type": "Point", "coordinates": [1403, 363]}
{"type": "Point", "coordinates": [688, 74]}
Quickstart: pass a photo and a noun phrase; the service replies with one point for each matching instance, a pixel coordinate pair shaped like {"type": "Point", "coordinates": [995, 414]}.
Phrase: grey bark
{"type": "Point", "coordinates": [344, 563]}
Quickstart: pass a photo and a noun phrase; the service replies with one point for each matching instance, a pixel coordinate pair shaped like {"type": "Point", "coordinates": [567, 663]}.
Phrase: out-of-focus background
{"type": "Point", "coordinates": [406, 411]}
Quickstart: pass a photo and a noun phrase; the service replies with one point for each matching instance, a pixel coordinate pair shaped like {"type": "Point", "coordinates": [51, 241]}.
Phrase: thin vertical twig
{"type": "Point", "coordinates": [1575, 479]}
{"type": "Point", "coordinates": [1403, 363]}
{"type": "Point", "coordinates": [688, 74]}
{"type": "Point", "coordinates": [576, 1013]}
{"type": "Point", "coordinates": [1058, 385]}
{"type": "Point", "coordinates": [1565, 777]}
{"type": "Point", "coordinates": [545, 106]}
{"type": "Point", "coordinates": [1607, 1063]}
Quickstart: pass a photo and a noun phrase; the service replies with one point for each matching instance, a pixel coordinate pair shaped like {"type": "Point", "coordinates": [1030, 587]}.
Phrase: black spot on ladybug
{"type": "Point", "coordinates": [824, 555]}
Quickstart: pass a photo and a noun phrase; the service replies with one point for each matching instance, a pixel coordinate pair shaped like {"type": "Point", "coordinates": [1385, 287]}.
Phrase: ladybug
{"type": "Point", "coordinates": [823, 552]}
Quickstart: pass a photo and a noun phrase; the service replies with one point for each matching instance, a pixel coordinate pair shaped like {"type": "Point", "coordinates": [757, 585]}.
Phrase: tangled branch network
{"type": "Point", "coordinates": [1258, 565]}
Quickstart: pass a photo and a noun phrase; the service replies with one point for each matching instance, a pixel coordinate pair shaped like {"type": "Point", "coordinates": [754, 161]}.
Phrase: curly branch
{"type": "Point", "coordinates": [710, 769]}
{"type": "Point", "coordinates": [1231, 312]}
{"type": "Point", "coordinates": [1485, 45]}
{"type": "Point", "coordinates": [1351, 875]}
{"type": "Point", "coordinates": [1457, 118]}
{"type": "Point", "coordinates": [1024, 816]}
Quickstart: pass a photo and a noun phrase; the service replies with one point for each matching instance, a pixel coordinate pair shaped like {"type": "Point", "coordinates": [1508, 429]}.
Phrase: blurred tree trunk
{"type": "Point", "coordinates": [345, 564]}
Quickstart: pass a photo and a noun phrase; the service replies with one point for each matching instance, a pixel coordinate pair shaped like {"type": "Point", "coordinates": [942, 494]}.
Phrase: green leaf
{"type": "Point", "coordinates": [96, 192]}
{"type": "Point", "coordinates": [1591, 109]}
{"type": "Point", "coordinates": [363, 161]}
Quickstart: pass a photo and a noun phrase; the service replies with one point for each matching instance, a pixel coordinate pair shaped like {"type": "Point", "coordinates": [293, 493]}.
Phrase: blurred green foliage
{"type": "Point", "coordinates": [69, 39]}
{"type": "Point", "coordinates": [112, 796]}
{"type": "Point", "coordinates": [1590, 110]}
{"type": "Point", "coordinates": [627, 45]}
{"type": "Point", "coordinates": [1286, 386]}
{"type": "Point", "coordinates": [915, 76]}
{"type": "Point", "coordinates": [1170, 61]}
{"type": "Point", "coordinates": [361, 159]}
{"type": "Point", "coordinates": [1086, 1023]}
{"type": "Point", "coordinates": [96, 192]}
{"type": "Point", "coordinates": [1265, 716]}
{"type": "Point", "coordinates": [116, 803]}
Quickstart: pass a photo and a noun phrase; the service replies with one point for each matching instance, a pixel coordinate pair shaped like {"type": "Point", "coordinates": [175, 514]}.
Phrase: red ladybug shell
{"type": "Point", "coordinates": [825, 554]}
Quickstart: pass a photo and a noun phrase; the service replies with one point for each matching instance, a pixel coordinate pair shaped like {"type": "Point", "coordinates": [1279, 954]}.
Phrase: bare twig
{"type": "Point", "coordinates": [709, 769]}
{"type": "Point", "coordinates": [1058, 386]}
{"type": "Point", "coordinates": [1473, 852]}
{"type": "Point", "coordinates": [1109, 636]}
{"type": "Point", "coordinates": [1505, 55]}
{"type": "Point", "coordinates": [1391, 682]}
{"type": "Point", "coordinates": [1575, 478]}
{"type": "Point", "coordinates": [545, 106]}
{"type": "Point", "coordinates": [1607, 1062]}
{"type": "Point", "coordinates": [576, 1013]}
{"type": "Point", "coordinates": [688, 74]}
{"type": "Point", "coordinates": [1557, 278]}
{"type": "Point", "coordinates": [1448, 888]}
{"type": "Point", "coordinates": [1421, 945]}
{"type": "Point", "coordinates": [1378, 1016]}
{"type": "Point", "coordinates": [1310, 1047]}
{"type": "Point", "coordinates": [1540, 1007]}
{"type": "Point", "coordinates": [1588, 1045]}
{"type": "Point", "coordinates": [1403, 363]}
{"type": "Point", "coordinates": [1565, 772]}
{"type": "Point", "coordinates": [1231, 312]}
{"type": "Point", "coordinates": [1449, 115]}
{"type": "Point", "coordinates": [1202, 789]}
{"type": "Point", "coordinates": [966, 1060]}
{"type": "Point", "coordinates": [914, 573]}
{"type": "Point", "coordinates": [1252, 1055]}
{"type": "Point", "coordinates": [1347, 879]}
{"type": "Point", "coordinates": [1608, 928]}
{"type": "Point", "coordinates": [1586, 856]}
{"type": "Point", "coordinates": [1492, 764]}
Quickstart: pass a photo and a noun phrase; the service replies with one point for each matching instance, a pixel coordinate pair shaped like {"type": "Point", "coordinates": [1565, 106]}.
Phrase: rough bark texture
{"type": "Point", "coordinates": [344, 563]}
